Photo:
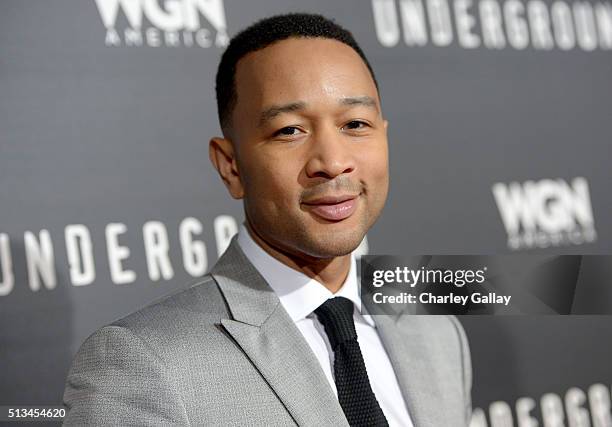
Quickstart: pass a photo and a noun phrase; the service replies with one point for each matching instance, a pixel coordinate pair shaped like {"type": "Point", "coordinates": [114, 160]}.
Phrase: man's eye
{"type": "Point", "coordinates": [287, 131]}
{"type": "Point", "coordinates": [355, 124]}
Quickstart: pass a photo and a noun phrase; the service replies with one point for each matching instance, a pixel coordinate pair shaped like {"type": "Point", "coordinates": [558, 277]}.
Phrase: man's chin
{"type": "Point", "coordinates": [331, 246]}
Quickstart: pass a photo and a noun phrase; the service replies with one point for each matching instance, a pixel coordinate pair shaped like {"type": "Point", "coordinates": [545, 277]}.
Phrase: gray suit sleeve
{"type": "Point", "coordinates": [116, 379]}
{"type": "Point", "coordinates": [467, 368]}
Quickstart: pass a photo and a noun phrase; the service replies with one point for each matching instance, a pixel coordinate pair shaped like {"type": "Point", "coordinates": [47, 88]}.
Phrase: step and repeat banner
{"type": "Point", "coordinates": [500, 134]}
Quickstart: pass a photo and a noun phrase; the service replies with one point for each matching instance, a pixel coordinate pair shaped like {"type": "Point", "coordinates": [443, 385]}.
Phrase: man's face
{"type": "Point", "coordinates": [308, 133]}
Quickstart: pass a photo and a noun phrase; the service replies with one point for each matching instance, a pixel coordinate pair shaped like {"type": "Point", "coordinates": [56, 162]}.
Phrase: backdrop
{"type": "Point", "coordinates": [500, 125]}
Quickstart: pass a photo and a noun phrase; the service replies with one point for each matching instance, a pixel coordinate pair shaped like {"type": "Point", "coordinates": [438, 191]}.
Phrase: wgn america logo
{"type": "Point", "coordinates": [171, 23]}
{"type": "Point", "coordinates": [539, 214]}
{"type": "Point", "coordinates": [495, 24]}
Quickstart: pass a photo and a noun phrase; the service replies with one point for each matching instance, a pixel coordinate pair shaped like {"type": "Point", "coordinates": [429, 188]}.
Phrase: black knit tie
{"type": "Point", "coordinates": [354, 392]}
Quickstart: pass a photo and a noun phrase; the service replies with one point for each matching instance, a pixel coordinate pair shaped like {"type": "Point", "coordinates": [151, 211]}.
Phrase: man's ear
{"type": "Point", "coordinates": [223, 157]}
{"type": "Point", "coordinates": [386, 124]}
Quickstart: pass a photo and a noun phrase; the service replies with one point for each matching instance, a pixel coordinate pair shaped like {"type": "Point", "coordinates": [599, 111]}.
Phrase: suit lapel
{"type": "Point", "coordinates": [268, 336]}
{"type": "Point", "coordinates": [421, 383]}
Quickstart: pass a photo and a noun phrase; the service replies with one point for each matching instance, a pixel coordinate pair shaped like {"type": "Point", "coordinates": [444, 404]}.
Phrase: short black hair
{"type": "Point", "coordinates": [262, 34]}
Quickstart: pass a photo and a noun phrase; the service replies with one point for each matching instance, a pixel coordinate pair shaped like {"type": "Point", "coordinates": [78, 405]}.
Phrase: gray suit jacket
{"type": "Point", "coordinates": [225, 352]}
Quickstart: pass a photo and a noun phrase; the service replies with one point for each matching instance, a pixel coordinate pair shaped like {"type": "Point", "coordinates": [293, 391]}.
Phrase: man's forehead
{"type": "Point", "coordinates": [297, 46]}
{"type": "Point", "coordinates": [304, 71]}
{"type": "Point", "coordinates": [298, 62]}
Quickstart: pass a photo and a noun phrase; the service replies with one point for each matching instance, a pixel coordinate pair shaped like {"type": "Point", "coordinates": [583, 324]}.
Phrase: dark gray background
{"type": "Point", "coordinates": [91, 135]}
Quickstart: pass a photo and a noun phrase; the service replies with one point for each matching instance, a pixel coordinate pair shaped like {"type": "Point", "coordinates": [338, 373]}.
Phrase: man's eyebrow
{"type": "Point", "coordinates": [365, 100]}
{"type": "Point", "coordinates": [275, 110]}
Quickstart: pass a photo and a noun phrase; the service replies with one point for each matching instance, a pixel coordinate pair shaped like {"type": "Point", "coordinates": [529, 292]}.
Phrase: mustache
{"type": "Point", "coordinates": [340, 185]}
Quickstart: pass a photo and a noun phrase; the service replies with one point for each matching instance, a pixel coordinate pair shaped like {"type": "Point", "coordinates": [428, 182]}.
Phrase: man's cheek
{"type": "Point", "coordinates": [278, 193]}
{"type": "Point", "coordinates": [378, 169]}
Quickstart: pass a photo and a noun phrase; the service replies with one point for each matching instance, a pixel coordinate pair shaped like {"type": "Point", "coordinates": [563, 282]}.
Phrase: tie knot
{"type": "Point", "coordinates": [336, 315]}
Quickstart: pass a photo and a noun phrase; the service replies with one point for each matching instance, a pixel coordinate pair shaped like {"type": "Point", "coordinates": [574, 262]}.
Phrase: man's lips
{"type": "Point", "coordinates": [333, 208]}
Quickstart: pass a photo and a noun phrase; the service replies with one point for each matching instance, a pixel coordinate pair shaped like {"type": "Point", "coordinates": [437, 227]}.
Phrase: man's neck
{"type": "Point", "coordinates": [331, 272]}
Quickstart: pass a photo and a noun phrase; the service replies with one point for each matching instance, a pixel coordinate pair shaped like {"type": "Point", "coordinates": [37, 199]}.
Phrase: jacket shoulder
{"type": "Point", "coordinates": [200, 305]}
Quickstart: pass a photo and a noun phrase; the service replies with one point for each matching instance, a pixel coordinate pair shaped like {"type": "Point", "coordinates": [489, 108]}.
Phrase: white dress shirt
{"type": "Point", "coordinates": [300, 296]}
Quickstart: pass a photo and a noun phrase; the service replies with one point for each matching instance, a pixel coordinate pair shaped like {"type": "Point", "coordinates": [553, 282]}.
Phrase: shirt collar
{"type": "Point", "coordinates": [299, 294]}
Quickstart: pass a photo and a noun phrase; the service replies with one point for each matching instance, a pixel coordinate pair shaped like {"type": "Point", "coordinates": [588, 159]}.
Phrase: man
{"type": "Point", "coordinates": [275, 334]}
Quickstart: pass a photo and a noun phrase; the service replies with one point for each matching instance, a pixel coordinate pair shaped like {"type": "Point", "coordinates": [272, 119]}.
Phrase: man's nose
{"type": "Point", "coordinates": [332, 153]}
